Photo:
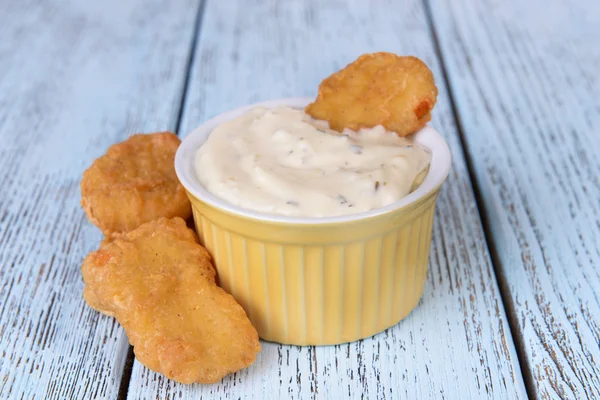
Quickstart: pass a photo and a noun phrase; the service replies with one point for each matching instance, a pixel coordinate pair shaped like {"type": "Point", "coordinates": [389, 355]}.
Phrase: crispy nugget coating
{"type": "Point", "coordinates": [159, 283]}
{"type": "Point", "coordinates": [377, 89]}
{"type": "Point", "coordinates": [133, 183]}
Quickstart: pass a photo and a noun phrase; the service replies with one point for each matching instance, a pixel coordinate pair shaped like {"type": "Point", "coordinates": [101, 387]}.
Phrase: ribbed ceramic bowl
{"type": "Point", "coordinates": [318, 281]}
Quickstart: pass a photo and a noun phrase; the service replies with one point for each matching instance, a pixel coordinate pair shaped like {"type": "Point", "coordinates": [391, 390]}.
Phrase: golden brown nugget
{"type": "Point", "coordinates": [159, 284]}
{"type": "Point", "coordinates": [377, 89]}
{"type": "Point", "coordinates": [133, 183]}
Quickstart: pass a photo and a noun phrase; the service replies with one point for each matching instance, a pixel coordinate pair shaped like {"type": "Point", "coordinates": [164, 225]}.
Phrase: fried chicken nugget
{"type": "Point", "coordinates": [133, 183]}
{"type": "Point", "coordinates": [159, 284]}
{"type": "Point", "coordinates": [377, 89]}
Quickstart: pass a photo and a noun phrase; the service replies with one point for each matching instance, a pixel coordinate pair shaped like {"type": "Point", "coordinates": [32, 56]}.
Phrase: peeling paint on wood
{"type": "Point", "coordinates": [75, 77]}
{"type": "Point", "coordinates": [524, 78]}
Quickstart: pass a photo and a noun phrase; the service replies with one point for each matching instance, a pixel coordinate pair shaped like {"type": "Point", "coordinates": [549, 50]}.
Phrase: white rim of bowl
{"type": "Point", "coordinates": [184, 167]}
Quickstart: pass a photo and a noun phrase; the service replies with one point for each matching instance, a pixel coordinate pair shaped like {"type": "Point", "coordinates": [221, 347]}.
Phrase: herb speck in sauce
{"type": "Point", "coordinates": [356, 149]}
{"type": "Point", "coordinates": [342, 199]}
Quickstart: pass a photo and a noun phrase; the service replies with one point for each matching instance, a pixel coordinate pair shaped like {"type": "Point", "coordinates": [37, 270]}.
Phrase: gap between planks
{"type": "Point", "coordinates": [192, 55]}
{"type": "Point", "coordinates": [479, 203]}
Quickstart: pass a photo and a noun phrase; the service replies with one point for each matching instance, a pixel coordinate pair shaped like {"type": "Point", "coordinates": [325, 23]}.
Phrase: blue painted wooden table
{"type": "Point", "coordinates": [511, 307]}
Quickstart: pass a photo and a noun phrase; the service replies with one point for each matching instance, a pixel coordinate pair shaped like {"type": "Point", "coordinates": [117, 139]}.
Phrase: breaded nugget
{"type": "Point", "coordinates": [377, 89]}
{"type": "Point", "coordinates": [133, 183]}
{"type": "Point", "coordinates": [159, 283]}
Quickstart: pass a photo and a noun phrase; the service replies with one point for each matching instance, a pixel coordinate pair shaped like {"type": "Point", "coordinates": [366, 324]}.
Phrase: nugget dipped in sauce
{"type": "Point", "coordinates": [377, 89]}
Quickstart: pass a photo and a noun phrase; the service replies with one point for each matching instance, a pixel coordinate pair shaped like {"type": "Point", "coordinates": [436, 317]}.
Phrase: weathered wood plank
{"type": "Point", "coordinates": [75, 77]}
{"type": "Point", "coordinates": [524, 78]}
{"type": "Point", "coordinates": [457, 343]}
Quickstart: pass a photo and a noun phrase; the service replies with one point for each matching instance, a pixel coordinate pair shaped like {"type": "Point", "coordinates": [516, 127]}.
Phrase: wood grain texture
{"type": "Point", "coordinates": [524, 76]}
{"type": "Point", "coordinates": [75, 77]}
{"type": "Point", "coordinates": [456, 344]}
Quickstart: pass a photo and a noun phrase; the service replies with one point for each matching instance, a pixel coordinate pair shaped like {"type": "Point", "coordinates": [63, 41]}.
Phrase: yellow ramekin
{"type": "Point", "coordinates": [318, 281]}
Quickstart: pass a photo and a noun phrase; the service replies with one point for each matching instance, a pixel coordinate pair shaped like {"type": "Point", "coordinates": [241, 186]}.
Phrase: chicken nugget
{"type": "Point", "coordinates": [159, 284]}
{"type": "Point", "coordinates": [133, 183]}
{"type": "Point", "coordinates": [377, 89]}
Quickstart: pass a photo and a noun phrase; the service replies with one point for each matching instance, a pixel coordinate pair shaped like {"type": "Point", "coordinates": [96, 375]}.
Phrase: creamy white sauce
{"type": "Point", "coordinates": [280, 161]}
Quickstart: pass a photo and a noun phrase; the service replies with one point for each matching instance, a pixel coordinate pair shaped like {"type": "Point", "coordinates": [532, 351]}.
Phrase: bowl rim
{"type": "Point", "coordinates": [184, 167]}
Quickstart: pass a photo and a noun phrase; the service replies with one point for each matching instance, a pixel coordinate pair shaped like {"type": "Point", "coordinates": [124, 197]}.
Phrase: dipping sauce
{"type": "Point", "coordinates": [281, 161]}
